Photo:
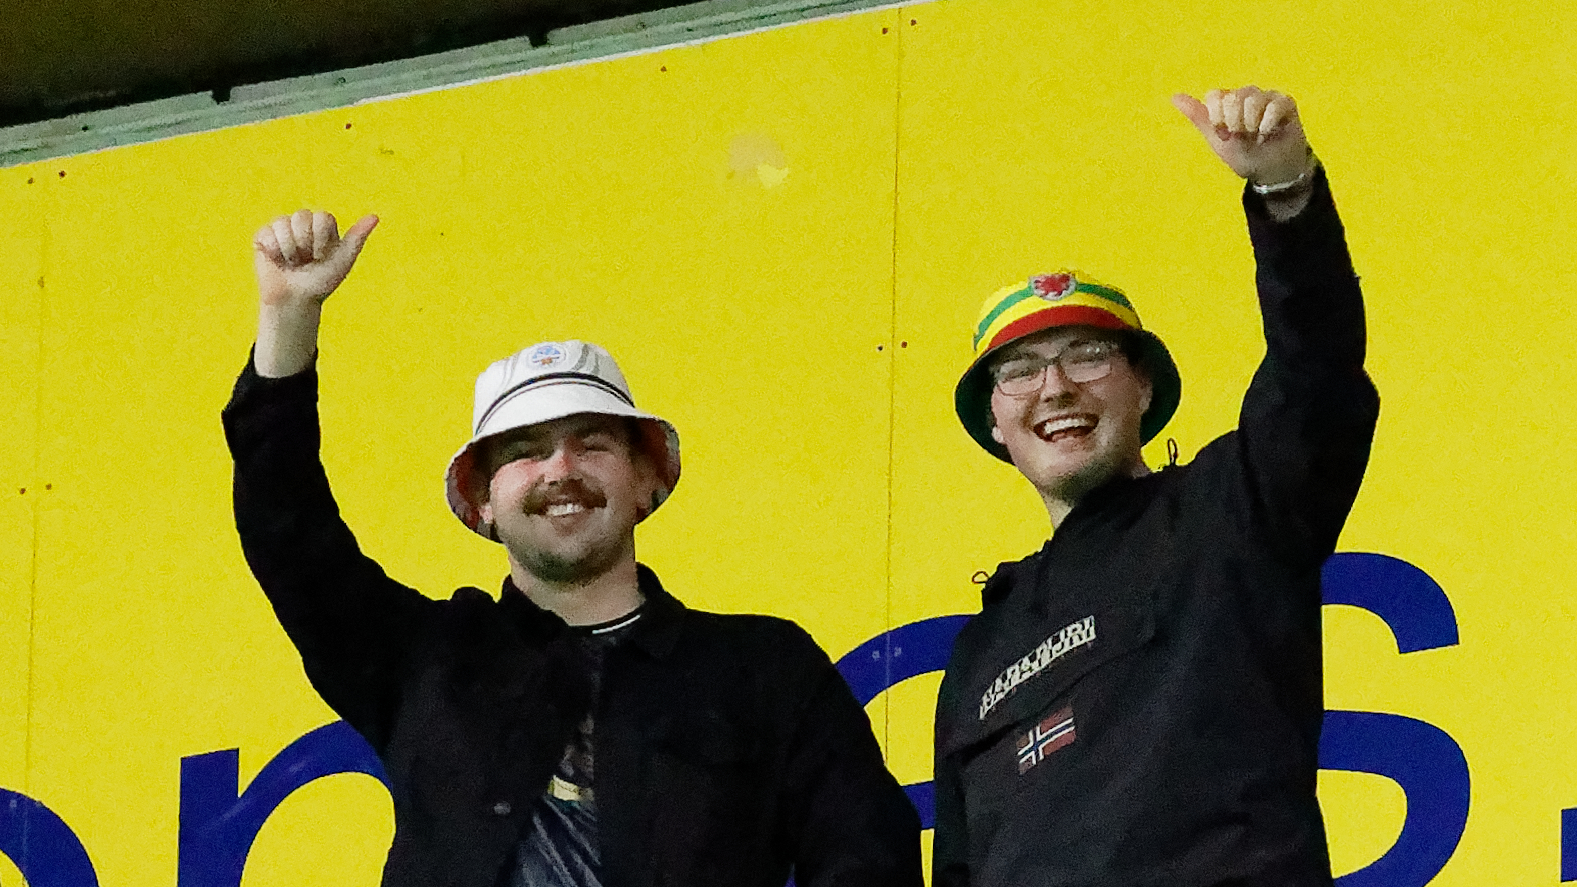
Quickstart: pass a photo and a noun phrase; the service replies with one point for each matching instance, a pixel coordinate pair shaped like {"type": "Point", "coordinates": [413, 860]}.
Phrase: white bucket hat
{"type": "Point", "coordinates": [548, 381]}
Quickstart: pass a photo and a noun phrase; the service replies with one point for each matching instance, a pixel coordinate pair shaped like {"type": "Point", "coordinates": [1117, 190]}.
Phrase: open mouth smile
{"type": "Point", "coordinates": [1061, 428]}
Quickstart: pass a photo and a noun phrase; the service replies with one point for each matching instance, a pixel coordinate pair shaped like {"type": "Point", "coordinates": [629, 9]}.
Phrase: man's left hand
{"type": "Point", "coordinates": [1254, 131]}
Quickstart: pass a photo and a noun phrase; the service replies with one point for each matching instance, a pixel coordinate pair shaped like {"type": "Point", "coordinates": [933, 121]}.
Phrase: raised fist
{"type": "Point", "coordinates": [1254, 131]}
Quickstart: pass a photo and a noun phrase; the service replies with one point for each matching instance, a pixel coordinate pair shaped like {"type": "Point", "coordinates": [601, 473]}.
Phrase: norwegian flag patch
{"type": "Point", "coordinates": [1050, 735]}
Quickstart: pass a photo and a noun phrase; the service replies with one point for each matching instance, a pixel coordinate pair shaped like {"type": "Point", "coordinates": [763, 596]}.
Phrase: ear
{"type": "Point", "coordinates": [648, 478]}
{"type": "Point", "coordinates": [648, 488]}
{"type": "Point", "coordinates": [991, 418]}
{"type": "Point", "coordinates": [479, 489]}
{"type": "Point", "coordinates": [1147, 394]}
{"type": "Point", "coordinates": [653, 481]}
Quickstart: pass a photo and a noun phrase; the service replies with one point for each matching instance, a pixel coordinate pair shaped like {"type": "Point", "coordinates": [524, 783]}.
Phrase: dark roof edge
{"type": "Point", "coordinates": [579, 44]}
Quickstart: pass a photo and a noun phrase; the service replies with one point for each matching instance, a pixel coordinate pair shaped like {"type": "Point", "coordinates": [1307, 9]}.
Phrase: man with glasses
{"type": "Point", "coordinates": [1139, 702]}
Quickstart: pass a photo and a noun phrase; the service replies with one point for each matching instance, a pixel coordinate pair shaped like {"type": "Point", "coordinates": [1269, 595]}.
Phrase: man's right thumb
{"type": "Point", "coordinates": [356, 235]}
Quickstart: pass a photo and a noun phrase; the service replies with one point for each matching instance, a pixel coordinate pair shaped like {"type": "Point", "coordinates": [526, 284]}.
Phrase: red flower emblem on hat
{"type": "Point", "coordinates": [1053, 287]}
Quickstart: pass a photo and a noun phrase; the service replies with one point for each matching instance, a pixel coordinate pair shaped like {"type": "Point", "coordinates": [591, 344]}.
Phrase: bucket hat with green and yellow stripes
{"type": "Point", "coordinates": [1057, 300]}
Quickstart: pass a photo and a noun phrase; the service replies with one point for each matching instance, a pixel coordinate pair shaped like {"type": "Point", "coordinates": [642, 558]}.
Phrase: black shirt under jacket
{"type": "Point", "coordinates": [1139, 703]}
{"type": "Point", "coordinates": [729, 748]}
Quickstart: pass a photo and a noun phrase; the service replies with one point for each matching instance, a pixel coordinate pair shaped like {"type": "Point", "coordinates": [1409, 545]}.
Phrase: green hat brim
{"type": "Point", "coordinates": [972, 397]}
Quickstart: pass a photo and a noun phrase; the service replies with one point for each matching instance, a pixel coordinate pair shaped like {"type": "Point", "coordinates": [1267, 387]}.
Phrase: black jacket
{"type": "Point", "coordinates": [1139, 703]}
{"type": "Point", "coordinates": [728, 747]}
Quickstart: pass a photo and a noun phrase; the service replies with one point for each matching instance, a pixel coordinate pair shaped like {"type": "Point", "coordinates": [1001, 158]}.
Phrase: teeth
{"type": "Point", "coordinates": [1052, 426]}
{"type": "Point", "coordinates": [564, 508]}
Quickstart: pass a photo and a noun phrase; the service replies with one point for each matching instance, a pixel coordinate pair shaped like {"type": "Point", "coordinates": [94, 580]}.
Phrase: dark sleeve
{"type": "Point", "coordinates": [1309, 415]}
{"type": "Point", "coordinates": [350, 622]}
{"type": "Point", "coordinates": [854, 825]}
{"type": "Point", "coordinates": [950, 844]}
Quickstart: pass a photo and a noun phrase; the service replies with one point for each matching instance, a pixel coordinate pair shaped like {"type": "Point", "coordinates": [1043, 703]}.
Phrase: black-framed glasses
{"type": "Point", "coordinates": [1081, 362]}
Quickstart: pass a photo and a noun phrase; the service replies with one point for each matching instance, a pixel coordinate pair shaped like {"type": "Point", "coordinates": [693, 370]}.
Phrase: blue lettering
{"type": "Point", "coordinates": [218, 822]}
{"type": "Point", "coordinates": [218, 825]}
{"type": "Point", "coordinates": [1430, 768]}
{"type": "Point", "coordinates": [45, 850]}
{"type": "Point", "coordinates": [1569, 844]}
{"type": "Point", "coordinates": [1405, 598]}
{"type": "Point", "coordinates": [1421, 758]}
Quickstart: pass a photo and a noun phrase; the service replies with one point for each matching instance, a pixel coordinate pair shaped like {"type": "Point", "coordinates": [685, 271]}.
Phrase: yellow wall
{"type": "Point", "coordinates": [784, 237]}
{"type": "Point", "coordinates": [20, 264]}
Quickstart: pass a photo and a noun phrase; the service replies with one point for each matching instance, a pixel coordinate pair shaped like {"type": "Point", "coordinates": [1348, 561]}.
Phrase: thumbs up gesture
{"type": "Point", "coordinates": [301, 258]}
{"type": "Point", "coordinates": [1255, 132]}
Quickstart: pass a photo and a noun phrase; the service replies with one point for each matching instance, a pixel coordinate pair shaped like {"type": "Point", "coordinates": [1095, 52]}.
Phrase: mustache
{"type": "Point", "coordinates": [558, 492]}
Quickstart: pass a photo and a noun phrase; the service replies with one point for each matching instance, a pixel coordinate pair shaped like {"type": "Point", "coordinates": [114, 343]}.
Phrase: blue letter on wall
{"type": "Point", "coordinates": [43, 847]}
{"type": "Point", "coordinates": [1421, 758]}
{"type": "Point", "coordinates": [219, 823]}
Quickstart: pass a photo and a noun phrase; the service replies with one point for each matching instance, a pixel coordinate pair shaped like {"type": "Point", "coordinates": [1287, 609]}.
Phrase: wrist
{"type": "Point", "coordinates": [1292, 185]}
{"type": "Point", "coordinates": [285, 303]}
{"type": "Point", "coordinates": [287, 338]}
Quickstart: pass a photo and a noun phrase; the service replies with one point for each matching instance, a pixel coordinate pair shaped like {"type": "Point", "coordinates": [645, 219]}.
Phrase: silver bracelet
{"type": "Point", "coordinates": [1283, 187]}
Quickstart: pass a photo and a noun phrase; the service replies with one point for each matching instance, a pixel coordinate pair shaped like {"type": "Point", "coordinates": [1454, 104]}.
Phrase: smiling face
{"type": "Point", "coordinates": [564, 496]}
{"type": "Point", "coordinates": [1068, 438]}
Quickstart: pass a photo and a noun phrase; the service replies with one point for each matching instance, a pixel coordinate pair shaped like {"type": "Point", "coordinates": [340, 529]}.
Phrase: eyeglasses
{"type": "Point", "coordinates": [1080, 362]}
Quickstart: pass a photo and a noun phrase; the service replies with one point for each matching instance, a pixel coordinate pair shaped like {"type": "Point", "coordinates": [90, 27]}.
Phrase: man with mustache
{"type": "Point", "coordinates": [584, 728]}
{"type": "Point", "coordinates": [1139, 702]}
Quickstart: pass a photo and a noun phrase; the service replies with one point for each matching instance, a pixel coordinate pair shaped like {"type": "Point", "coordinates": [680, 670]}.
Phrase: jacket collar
{"type": "Point", "coordinates": [655, 634]}
{"type": "Point", "coordinates": [658, 630]}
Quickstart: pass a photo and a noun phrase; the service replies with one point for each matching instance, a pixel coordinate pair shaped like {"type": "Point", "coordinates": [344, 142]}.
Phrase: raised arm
{"type": "Point", "coordinates": [347, 618]}
{"type": "Point", "coordinates": [1309, 415]}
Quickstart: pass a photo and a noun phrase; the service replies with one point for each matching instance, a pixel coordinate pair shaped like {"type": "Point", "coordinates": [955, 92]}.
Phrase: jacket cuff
{"type": "Point", "coordinates": [258, 403]}
{"type": "Point", "coordinates": [1315, 215]}
{"type": "Point", "coordinates": [250, 386]}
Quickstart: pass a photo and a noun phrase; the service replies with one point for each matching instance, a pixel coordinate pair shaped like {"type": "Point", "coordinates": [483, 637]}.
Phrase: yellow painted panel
{"type": "Point", "coordinates": [912, 706]}
{"type": "Point", "coordinates": [21, 266]}
{"type": "Point", "coordinates": [1355, 826]}
{"type": "Point", "coordinates": [698, 211]}
{"type": "Point", "coordinates": [723, 217]}
{"type": "Point", "coordinates": [350, 813]}
{"type": "Point", "coordinates": [1039, 135]}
